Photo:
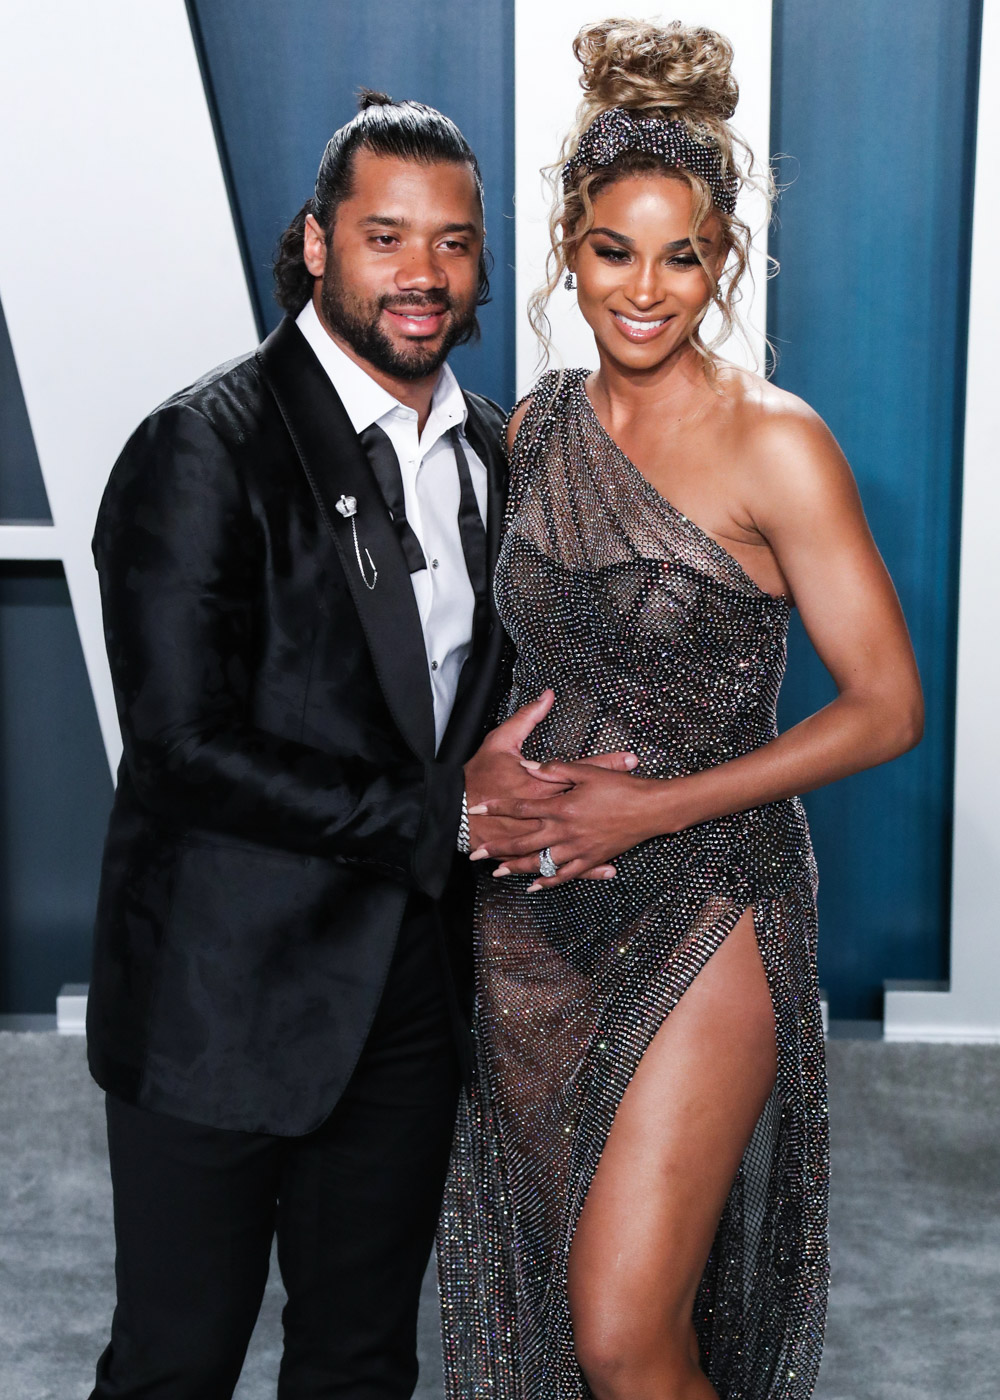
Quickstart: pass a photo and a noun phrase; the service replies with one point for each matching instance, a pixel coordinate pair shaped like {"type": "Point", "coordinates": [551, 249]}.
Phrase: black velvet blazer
{"type": "Point", "coordinates": [279, 797]}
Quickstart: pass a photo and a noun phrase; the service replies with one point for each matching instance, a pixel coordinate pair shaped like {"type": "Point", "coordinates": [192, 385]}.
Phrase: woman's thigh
{"type": "Point", "coordinates": [679, 1134]}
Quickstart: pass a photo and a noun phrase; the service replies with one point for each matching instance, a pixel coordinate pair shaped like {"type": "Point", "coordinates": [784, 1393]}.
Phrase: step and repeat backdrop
{"type": "Point", "coordinates": [151, 155]}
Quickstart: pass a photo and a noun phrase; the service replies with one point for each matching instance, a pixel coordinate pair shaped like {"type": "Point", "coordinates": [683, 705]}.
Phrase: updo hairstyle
{"type": "Point", "coordinates": [679, 73]}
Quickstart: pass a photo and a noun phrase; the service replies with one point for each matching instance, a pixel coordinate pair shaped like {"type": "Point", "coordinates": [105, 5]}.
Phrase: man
{"type": "Point", "coordinates": [294, 567]}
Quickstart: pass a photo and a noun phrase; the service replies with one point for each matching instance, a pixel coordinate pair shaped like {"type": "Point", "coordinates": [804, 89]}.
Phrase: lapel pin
{"type": "Point", "coordinates": [348, 508]}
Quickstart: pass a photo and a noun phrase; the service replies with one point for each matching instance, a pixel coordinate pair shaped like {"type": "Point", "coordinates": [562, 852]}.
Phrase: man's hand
{"type": "Point", "coordinates": [497, 771]}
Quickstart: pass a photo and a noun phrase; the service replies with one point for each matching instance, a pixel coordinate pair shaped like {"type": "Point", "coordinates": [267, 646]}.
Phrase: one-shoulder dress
{"type": "Point", "coordinates": [655, 640]}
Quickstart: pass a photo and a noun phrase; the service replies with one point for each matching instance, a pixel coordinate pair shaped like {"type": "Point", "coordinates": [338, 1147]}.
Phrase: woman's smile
{"type": "Point", "coordinates": [641, 286]}
{"type": "Point", "coordinates": [638, 328]}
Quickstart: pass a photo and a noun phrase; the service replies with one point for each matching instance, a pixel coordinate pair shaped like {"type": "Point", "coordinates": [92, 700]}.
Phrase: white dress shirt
{"type": "Point", "coordinates": [431, 495]}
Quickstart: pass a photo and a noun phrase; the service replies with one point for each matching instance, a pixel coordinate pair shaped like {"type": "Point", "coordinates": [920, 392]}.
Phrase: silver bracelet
{"type": "Point", "coordinates": [464, 845]}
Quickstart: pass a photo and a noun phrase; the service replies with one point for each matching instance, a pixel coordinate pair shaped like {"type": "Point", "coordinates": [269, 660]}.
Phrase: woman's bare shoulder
{"type": "Point", "coordinates": [762, 407]}
{"type": "Point", "coordinates": [790, 462]}
{"type": "Point", "coordinates": [778, 431]}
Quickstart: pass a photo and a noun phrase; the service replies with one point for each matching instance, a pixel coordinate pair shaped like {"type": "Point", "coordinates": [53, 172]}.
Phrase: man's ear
{"type": "Point", "coordinates": [314, 247]}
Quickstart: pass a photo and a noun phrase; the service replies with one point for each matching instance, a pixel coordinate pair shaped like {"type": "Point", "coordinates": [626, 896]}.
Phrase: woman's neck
{"type": "Point", "coordinates": [671, 390]}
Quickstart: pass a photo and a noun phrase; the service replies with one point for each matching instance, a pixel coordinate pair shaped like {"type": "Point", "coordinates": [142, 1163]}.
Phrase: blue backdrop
{"type": "Point", "coordinates": [869, 312]}
{"type": "Point", "coordinates": [273, 119]}
{"type": "Point", "coordinates": [55, 790]}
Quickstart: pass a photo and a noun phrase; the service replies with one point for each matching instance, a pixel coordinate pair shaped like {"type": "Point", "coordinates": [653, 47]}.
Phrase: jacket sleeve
{"type": "Point", "coordinates": [178, 553]}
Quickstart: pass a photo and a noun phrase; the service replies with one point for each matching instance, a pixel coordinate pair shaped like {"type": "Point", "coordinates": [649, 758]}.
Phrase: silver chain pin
{"type": "Point", "coordinates": [348, 508]}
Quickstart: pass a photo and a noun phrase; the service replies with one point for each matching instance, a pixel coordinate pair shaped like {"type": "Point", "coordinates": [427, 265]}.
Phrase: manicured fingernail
{"type": "Point", "coordinates": [533, 889]}
{"type": "Point", "coordinates": [481, 854]}
{"type": "Point", "coordinates": [610, 874]}
{"type": "Point", "coordinates": [501, 870]}
{"type": "Point", "coordinates": [478, 811]}
{"type": "Point", "coordinates": [630, 762]}
{"type": "Point", "coordinates": [530, 763]}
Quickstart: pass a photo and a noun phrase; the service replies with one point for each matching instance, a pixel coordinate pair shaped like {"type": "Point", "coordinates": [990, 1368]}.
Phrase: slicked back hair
{"type": "Point", "coordinates": [404, 130]}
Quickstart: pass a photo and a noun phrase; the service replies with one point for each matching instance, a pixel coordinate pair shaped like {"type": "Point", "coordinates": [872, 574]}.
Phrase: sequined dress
{"type": "Point", "coordinates": [655, 640]}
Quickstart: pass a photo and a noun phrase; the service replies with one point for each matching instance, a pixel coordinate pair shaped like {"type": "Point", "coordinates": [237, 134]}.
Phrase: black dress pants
{"type": "Point", "coordinates": [354, 1206]}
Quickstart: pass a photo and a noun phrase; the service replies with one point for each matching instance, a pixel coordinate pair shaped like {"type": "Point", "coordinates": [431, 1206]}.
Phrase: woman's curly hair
{"type": "Point", "coordinates": [680, 73]}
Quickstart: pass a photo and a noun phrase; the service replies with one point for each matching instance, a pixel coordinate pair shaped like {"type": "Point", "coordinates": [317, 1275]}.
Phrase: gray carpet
{"type": "Point", "coordinates": [916, 1228]}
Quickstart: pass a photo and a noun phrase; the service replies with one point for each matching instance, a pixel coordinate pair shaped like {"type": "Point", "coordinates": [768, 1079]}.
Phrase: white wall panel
{"type": "Point", "coordinates": [970, 1007]}
{"type": "Point", "coordinates": [120, 274]}
{"type": "Point", "coordinates": [546, 95]}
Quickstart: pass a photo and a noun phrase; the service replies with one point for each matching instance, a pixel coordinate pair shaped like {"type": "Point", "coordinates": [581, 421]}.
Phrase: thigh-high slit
{"type": "Point", "coordinates": [654, 1202]}
{"type": "Point", "coordinates": [555, 1054]}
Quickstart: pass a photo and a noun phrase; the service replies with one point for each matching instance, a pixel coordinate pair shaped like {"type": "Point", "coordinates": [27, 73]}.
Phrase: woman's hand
{"type": "Point", "coordinates": [499, 767]}
{"type": "Point", "coordinates": [593, 816]}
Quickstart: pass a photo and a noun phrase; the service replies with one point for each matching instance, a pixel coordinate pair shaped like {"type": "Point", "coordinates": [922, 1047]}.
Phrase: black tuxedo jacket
{"type": "Point", "coordinates": [279, 798]}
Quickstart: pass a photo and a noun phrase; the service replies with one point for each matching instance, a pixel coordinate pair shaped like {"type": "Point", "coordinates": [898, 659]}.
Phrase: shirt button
{"type": "Point", "coordinates": [434, 665]}
{"type": "Point", "coordinates": [434, 563]}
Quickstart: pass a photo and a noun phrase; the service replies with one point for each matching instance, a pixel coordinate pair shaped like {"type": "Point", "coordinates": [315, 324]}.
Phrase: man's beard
{"type": "Point", "coordinates": [357, 322]}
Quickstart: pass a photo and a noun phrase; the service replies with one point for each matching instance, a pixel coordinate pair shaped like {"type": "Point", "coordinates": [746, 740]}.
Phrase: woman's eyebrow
{"type": "Point", "coordinates": [618, 237]}
{"type": "Point", "coordinates": [674, 247]}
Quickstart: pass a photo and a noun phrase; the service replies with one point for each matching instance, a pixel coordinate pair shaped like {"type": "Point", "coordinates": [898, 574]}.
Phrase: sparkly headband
{"type": "Point", "coordinates": [618, 130]}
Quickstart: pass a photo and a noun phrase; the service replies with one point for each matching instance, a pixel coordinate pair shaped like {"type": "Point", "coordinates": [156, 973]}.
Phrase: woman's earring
{"type": "Point", "coordinates": [569, 284]}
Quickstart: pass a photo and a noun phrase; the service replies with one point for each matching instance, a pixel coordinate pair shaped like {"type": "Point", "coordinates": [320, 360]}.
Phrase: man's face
{"type": "Point", "coordinates": [400, 270]}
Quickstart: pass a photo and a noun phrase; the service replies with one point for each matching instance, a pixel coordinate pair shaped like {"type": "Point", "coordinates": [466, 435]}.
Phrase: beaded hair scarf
{"type": "Point", "coordinates": [619, 129]}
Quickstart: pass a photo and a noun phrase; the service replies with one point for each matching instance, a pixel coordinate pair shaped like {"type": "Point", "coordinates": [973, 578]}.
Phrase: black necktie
{"type": "Point", "coordinates": [385, 465]}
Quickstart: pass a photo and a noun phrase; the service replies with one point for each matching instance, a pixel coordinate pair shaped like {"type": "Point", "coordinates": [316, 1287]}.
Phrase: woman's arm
{"type": "Point", "coordinates": [803, 500]}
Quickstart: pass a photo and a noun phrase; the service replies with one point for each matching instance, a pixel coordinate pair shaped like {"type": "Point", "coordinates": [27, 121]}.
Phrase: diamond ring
{"type": "Point", "coordinates": [546, 865]}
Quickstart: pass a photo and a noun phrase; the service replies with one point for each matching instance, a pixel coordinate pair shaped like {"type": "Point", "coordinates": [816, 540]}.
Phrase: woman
{"type": "Point", "coordinates": [637, 1206]}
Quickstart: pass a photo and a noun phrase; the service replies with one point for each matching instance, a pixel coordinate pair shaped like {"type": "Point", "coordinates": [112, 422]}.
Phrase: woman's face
{"type": "Point", "coordinates": [639, 285]}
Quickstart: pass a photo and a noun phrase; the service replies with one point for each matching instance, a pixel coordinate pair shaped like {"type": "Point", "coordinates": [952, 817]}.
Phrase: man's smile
{"type": "Point", "coordinates": [422, 323]}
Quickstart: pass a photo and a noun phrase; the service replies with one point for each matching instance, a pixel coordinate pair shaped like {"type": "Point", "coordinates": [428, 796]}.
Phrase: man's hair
{"type": "Point", "coordinates": [405, 130]}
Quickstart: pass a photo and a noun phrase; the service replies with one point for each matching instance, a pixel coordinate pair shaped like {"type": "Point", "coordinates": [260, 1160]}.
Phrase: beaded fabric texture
{"type": "Point", "coordinates": [619, 130]}
{"type": "Point", "coordinates": [655, 640]}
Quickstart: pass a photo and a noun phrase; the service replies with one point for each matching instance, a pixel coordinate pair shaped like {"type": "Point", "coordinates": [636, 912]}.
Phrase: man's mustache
{"type": "Point", "coordinates": [413, 302]}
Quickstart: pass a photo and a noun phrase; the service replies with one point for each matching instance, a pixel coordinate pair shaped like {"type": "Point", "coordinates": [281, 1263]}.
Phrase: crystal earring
{"type": "Point", "coordinates": [568, 283]}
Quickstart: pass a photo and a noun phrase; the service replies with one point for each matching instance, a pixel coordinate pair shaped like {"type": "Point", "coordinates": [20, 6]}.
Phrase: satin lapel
{"type": "Point", "coordinates": [335, 466]}
{"type": "Point", "coordinates": [475, 686]}
{"type": "Point", "coordinates": [489, 448]}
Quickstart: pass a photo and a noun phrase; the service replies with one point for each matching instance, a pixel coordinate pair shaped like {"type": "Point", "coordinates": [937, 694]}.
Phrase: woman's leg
{"type": "Point", "coordinates": [653, 1207]}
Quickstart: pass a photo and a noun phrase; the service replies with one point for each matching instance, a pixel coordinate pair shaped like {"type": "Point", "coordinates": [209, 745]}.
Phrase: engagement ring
{"type": "Point", "coordinates": [546, 865]}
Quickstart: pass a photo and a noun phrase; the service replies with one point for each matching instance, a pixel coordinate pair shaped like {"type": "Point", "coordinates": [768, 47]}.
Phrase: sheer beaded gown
{"type": "Point", "coordinates": [655, 640]}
